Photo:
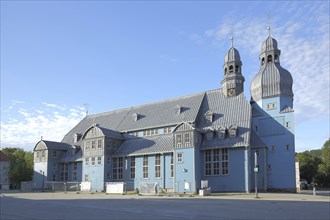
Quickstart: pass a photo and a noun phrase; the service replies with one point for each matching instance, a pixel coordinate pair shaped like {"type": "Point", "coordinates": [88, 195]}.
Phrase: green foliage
{"type": "Point", "coordinates": [315, 165]}
{"type": "Point", "coordinates": [21, 166]}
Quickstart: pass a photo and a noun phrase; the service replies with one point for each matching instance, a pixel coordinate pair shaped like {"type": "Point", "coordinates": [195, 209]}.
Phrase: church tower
{"type": "Point", "coordinates": [272, 118]}
{"type": "Point", "coordinates": [233, 82]}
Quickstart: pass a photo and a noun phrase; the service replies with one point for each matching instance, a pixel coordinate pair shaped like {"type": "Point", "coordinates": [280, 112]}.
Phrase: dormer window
{"type": "Point", "coordinates": [208, 117]}
{"type": "Point", "coordinates": [178, 109]}
{"type": "Point", "coordinates": [135, 117]}
{"type": "Point", "coordinates": [233, 131]}
{"type": "Point", "coordinates": [222, 133]}
{"type": "Point", "coordinates": [269, 59]}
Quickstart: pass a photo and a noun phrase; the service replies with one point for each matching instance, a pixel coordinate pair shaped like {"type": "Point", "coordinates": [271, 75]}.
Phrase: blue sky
{"type": "Point", "coordinates": [57, 56]}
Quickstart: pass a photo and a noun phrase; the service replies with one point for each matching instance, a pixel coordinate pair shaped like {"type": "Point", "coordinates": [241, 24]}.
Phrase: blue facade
{"type": "Point", "coordinates": [175, 144]}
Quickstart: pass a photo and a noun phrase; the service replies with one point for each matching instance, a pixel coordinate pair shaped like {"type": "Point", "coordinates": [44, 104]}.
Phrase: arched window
{"type": "Point", "coordinates": [269, 59]}
{"type": "Point", "coordinates": [231, 69]}
{"type": "Point", "coordinates": [276, 59]}
{"type": "Point", "coordinates": [236, 69]}
{"type": "Point", "coordinates": [225, 71]}
{"type": "Point", "coordinates": [262, 61]}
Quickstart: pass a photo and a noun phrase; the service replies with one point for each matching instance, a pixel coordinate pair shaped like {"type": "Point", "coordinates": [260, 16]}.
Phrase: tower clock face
{"type": "Point", "coordinates": [231, 92]}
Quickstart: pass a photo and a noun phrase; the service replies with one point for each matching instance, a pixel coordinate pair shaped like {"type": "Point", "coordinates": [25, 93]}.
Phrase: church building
{"type": "Point", "coordinates": [217, 135]}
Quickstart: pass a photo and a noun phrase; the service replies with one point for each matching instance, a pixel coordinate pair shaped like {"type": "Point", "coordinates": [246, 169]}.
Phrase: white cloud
{"type": "Point", "coordinates": [303, 38]}
{"type": "Point", "coordinates": [24, 126]}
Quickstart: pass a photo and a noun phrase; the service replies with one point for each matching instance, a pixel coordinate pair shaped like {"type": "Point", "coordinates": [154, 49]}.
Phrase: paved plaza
{"type": "Point", "coordinates": [70, 205]}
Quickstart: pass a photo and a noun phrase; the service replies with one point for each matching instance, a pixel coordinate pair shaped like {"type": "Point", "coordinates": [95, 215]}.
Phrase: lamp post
{"type": "Point", "coordinates": [256, 170]}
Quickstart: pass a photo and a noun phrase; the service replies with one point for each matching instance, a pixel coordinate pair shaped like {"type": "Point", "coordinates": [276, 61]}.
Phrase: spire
{"type": "Point", "coordinates": [232, 40]}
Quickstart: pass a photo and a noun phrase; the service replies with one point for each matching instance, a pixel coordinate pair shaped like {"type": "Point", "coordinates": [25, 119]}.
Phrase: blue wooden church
{"type": "Point", "coordinates": [215, 135]}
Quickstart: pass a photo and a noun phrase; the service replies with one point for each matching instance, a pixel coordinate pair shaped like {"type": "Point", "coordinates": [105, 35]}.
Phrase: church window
{"type": "Point", "coordinates": [145, 167]}
{"type": "Point", "coordinates": [224, 162]}
{"type": "Point", "coordinates": [114, 168]}
{"type": "Point", "coordinates": [87, 145]}
{"type": "Point", "coordinates": [167, 130]}
{"type": "Point", "coordinates": [99, 160]}
{"type": "Point", "coordinates": [178, 140]}
{"type": "Point", "coordinates": [287, 124]}
{"type": "Point", "coordinates": [236, 69]}
{"type": "Point", "coordinates": [93, 130]}
{"type": "Point", "coordinates": [120, 168]}
{"type": "Point", "coordinates": [187, 137]}
{"type": "Point", "coordinates": [208, 162]}
{"type": "Point", "coordinates": [269, 59]}
{"type": "Point", "coordinates": [180, 157]}
{"type": "Point", "coordinates": [262, 61]}
{"type": "Point", "coordinates": [38, 154]}
{"type": "Point", "coordinates": [172, 165]}
{"type": "Point", "coordinates": [64, 172]}
{"type": "Point", "coordinates": [231, 69]}
{"type": "Point", "coordinates": [276, 59]}
{"type": "Point", "coordinates": [132, 167]}
{"type": "Point", "coordinates": [157, 166]}
{"type": "Point", "coordinates": [225, 71]}
{"type": "Point", "coordinates": [216, 162]}
{"type": "Point", "coordinates": [271, 106]}
{"type": "Point", "coordinates": [43, 153]}
{"type": "Point", "coordinates": [99, 144]}
{"type": "Point", "coordinates": [93, 144]}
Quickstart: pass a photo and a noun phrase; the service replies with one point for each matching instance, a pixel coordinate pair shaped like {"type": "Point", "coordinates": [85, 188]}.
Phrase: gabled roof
{"type": "Point", "coordinates": [286, 109]}
{"type": "Point", "coordinates": [146, 145]}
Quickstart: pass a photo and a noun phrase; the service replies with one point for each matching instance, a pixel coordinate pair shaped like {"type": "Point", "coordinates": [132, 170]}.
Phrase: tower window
{"type": "Point", "coordinates": [231, 69]}
{"type": "Point", "coordinates": [236, 69]}
{"type": "Point", "coordinates": [276, 59]}
{"type": "Point", "coordinates": [269, 59]}
{"type": "Point", "coordinates": [263, 61]}
{"type": "Point", "coordinates": [225, 71]}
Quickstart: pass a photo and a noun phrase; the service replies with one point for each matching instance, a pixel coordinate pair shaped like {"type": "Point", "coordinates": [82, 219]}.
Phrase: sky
{"type": "Point", "coordinates": [60, 59]}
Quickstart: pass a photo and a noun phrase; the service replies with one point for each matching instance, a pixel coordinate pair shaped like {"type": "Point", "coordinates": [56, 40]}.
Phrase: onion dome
{"type": "Point", "coordinates": [272, 80]}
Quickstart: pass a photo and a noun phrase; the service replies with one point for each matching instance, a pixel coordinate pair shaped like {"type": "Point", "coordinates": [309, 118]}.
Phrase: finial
{"type": "Point", "coordinates": [41, 138]}
{"type": "Point", "coordinates": [86, 109]}
{"type": "Point", "coordinates": [232, 41]}
{"type": "Point", "coordinates": [268, 27]}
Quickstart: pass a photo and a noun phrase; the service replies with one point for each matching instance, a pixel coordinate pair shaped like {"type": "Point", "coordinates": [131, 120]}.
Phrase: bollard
{"type": "Point", "coordinates": [314, 191]}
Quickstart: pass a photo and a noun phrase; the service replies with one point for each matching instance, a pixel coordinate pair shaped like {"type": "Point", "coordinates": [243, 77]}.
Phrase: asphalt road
{"type": "Point", "coordinates": [160, 208]}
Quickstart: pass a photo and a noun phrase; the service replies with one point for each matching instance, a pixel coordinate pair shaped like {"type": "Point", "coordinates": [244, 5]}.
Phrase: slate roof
{"type": "Point", "coordinates": [146, 145]}
{"type": "Point", "coordinates": [157, 114]}
{"type": "Point", "coordinates": [52, 145]}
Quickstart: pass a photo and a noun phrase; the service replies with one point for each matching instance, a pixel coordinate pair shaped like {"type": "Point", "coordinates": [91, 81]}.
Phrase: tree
{"type": "Point", "coordinates": [308, 165]}
{"type": "Point", "coordinates": [20, 166]}
{"type": "Point", "coordinates": [324, 167]}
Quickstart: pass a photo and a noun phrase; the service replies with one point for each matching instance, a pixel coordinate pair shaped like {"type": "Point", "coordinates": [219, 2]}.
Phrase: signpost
{"type": "Point", "coordinates": [256, 170]}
